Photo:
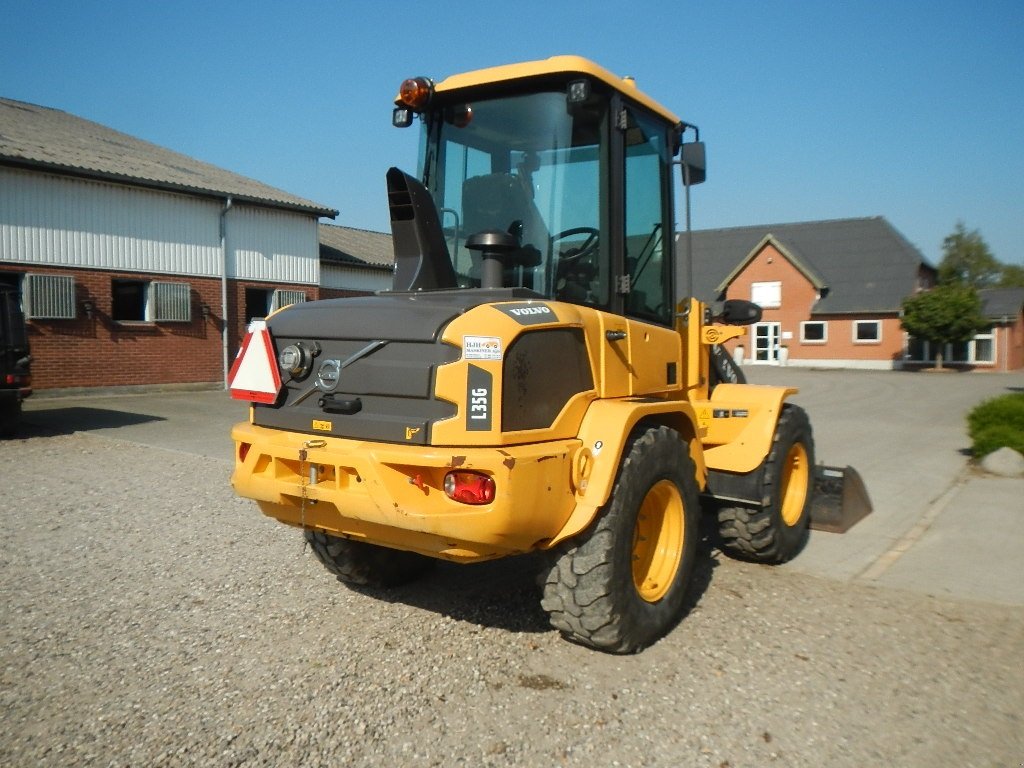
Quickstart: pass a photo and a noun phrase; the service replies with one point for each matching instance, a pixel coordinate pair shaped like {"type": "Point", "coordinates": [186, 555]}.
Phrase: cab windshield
{"type": "Point", "coordinates": [531, 165]}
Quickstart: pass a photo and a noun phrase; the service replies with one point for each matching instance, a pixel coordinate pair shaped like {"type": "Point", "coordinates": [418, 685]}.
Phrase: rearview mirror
{"type": "Point", "coordinates": [694, 163]}
{"type": "Point", "coordinates": [740, 312]}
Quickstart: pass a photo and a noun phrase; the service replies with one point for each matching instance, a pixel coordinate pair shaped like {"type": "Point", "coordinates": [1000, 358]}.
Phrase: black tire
{"type": "Point", "coordinates": [593, 592]}
{"type": "Point", "coordinates": [366, 565]}
{"type": "Point", "coordinates": [777, 531]}
{"type": "Point", "coordinates": [10, 419]}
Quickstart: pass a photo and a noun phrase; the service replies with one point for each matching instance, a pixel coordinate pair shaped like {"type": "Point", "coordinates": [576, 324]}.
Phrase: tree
{"type": "Point", "coordinates": [946, 314]}
{"type": "Point", "coordinates": [967, 260]}
{"type": "Point", "coordinates": [1012, 277]}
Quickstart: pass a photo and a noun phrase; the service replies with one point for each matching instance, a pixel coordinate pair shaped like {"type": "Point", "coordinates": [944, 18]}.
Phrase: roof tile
{"type": "Point", "coordinates": [49, 139]}
{"type": "Point", "coordinates": [865, 263]}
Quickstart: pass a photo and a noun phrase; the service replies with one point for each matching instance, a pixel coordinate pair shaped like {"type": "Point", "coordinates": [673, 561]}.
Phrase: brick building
{"type": "Point", "coordinates": [832, 294]}
{"type": "Point", "coordinates": [138, 265]}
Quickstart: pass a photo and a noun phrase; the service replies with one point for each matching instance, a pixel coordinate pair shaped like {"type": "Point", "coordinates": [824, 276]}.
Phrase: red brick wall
{"type": "Point", "coordinates": [841, 346]}
{"type": "Point", "coordinates": [1015, 345]}
{"type": "Point", "coordinates": [798, 297]}
{"type": "Point", "coordinates": [1009, 341]}
{"type": "Point", "coordinates": [100, 352]}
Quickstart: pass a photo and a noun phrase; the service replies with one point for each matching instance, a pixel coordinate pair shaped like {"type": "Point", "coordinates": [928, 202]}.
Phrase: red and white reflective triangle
{"type": "Point", "coordinates": [254, 375]}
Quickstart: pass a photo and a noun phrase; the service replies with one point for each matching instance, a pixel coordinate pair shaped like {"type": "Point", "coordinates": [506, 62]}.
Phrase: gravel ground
{"type": "Point", "coordinates": [149, 617]}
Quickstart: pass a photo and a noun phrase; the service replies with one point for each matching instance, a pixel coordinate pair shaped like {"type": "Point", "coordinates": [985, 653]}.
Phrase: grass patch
{"type": "Point", "coordinates": [997, 423]}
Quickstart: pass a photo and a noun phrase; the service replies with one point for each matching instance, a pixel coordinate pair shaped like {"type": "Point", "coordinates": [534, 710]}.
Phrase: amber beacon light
{"type": "Point", "coordinates": [415, 92]}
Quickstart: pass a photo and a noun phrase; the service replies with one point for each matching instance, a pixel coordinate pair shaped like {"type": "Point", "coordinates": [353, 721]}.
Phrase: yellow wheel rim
{"type": "Point", "coordinates": [658, 541]}
{"type": "Point", "coordinates": [795, 480]}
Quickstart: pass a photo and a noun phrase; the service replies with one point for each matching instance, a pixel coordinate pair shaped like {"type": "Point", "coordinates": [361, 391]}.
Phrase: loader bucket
{"type": "Point", "coordinates": [840, 499]}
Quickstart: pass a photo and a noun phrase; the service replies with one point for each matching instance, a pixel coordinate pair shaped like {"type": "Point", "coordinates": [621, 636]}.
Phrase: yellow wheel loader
{"type": "Point", "coordinates": [531, 382]}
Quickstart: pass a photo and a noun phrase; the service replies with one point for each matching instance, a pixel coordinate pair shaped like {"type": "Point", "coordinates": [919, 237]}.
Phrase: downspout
{"type": "Point", "coordinates": [224, 286]}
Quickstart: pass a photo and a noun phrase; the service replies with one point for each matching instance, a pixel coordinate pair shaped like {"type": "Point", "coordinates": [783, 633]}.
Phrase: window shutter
{"type": "Point", "coordinates": [173, 302]}
{"type": "Point", "coordinates": [283, 298]}
{"type": "Point", "coordinates": [49, 297]}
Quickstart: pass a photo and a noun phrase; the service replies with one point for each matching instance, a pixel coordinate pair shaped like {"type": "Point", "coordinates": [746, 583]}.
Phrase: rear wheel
{"type": "Point", "coordinates": [362, 564]}
{"type": "Point", "coordinates": [777, 531]}
{"type": "Point", "coordinates": [621, 585]}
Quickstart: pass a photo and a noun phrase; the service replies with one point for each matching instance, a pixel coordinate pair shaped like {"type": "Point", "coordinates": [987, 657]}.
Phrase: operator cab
{"type": "Point", "coordinates": [553, 177]}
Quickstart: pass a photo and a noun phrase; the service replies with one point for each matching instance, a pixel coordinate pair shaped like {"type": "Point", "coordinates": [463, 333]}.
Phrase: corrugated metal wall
{"type": "Point", "coordinates": [354, 278]}
{"type": "Point", "coordinates": [273, 245]}
{"type": "Point", "coordinates": [58, 221]}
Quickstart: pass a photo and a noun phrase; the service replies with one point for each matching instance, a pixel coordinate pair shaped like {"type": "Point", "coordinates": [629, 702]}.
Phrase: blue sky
{"type": "Point", "coordinates": [811, 110]}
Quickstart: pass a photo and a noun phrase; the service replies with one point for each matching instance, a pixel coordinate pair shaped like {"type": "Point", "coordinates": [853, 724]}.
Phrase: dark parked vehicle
{"type": "Point", "coordinates": [15, 378]}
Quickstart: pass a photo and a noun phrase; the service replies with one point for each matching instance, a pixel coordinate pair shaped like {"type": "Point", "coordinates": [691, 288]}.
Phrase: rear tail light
{"type": "Point", "coordinates": [17, 380]}
{"type": "Point", "coordinates": [469, 487]}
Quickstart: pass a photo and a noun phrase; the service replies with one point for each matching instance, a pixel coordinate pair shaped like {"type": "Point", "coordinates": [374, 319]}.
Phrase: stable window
{"type": "Point", "coordinates": [257, 303]}
{"type": "Point", "coordinates": [140, 301]}
{"type": "Point", "coordinates": [49, 297]}
{"type": "Point", "coordinates": [813, 332]}
{"type": "Point", "coordinates": [867, 331]}
{"type": "Point", "coordinates": [767, 295]}
{"type": "Point", "coordinates": [128, 300]}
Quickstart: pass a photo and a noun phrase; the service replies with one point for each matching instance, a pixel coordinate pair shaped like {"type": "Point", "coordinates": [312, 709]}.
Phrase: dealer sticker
{"type": "Point", "coordinates": [481, 348]}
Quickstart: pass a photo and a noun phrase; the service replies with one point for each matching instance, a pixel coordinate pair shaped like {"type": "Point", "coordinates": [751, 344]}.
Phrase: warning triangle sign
{"type": "Point", "coordinates": [254, 375]}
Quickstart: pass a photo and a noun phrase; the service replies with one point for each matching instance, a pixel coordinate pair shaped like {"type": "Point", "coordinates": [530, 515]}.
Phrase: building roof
{"type": "Point", "coordinates": [997, 303]}
{"type": "Point", "coordinates": [48, 139]}
{"type": "Point", "coordinates": [356, 247]}
{"type": "Point", "coordinates": [858, 265]}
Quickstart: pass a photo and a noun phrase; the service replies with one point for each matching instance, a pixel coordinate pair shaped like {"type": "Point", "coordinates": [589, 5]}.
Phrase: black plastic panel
{"type": "Point", "coordinates": [543, 370]}
{"type": "Point", "coordinates": [384, 351]}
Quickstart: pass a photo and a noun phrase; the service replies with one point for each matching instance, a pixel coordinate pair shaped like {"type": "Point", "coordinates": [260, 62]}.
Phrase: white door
{"type": "Point", "coordinates": [766, 343]}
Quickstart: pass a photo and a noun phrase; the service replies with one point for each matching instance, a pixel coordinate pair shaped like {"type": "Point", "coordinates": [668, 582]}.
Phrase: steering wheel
{"type": "Point", "coordinates": [578, 253]}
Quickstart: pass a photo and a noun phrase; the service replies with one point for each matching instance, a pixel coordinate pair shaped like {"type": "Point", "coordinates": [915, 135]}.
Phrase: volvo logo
{"type": "Point", "coordinates": [327, 376]}
{"type": "Point", "coordinates": [528, 313]}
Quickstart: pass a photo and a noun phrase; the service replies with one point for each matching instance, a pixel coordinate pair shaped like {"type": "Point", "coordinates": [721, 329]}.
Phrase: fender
{"type": "Point", "coordinates": [604, 434]}
{"type": "Point", "coordinates": [739, 444]}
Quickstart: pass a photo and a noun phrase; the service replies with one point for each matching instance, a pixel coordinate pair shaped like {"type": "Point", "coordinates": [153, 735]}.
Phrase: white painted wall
{"type": "Point", "coordinates": [354, 278]}
{"type": "Point", "coordinates": [52, 220]}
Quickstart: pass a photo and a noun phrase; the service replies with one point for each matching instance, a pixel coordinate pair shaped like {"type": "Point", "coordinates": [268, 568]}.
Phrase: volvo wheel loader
{"type": "Point", "coordinates": [531, 381]}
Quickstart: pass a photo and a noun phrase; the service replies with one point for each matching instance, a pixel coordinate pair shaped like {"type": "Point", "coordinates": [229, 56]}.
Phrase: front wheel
{"type": "Point", "coordinates": [777, 531]}
{"type": "Point", "coordinates": [621, 585]}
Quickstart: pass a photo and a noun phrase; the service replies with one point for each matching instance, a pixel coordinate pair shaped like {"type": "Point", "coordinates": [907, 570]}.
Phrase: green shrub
{"type": "Point", "coordinates": [994, 438]}
{"type": "Point", "coordinates": [997, 423]}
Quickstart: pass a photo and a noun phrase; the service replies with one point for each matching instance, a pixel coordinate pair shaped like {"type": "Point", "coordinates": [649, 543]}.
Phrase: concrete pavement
{"type": "Point", "coordinates": [968, 545]}
{"type": "Point", "coordinates": [938, 526]}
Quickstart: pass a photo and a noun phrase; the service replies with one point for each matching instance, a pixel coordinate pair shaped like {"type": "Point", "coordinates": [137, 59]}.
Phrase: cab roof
{"type": "Point", "coordinates": [556, 65]}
